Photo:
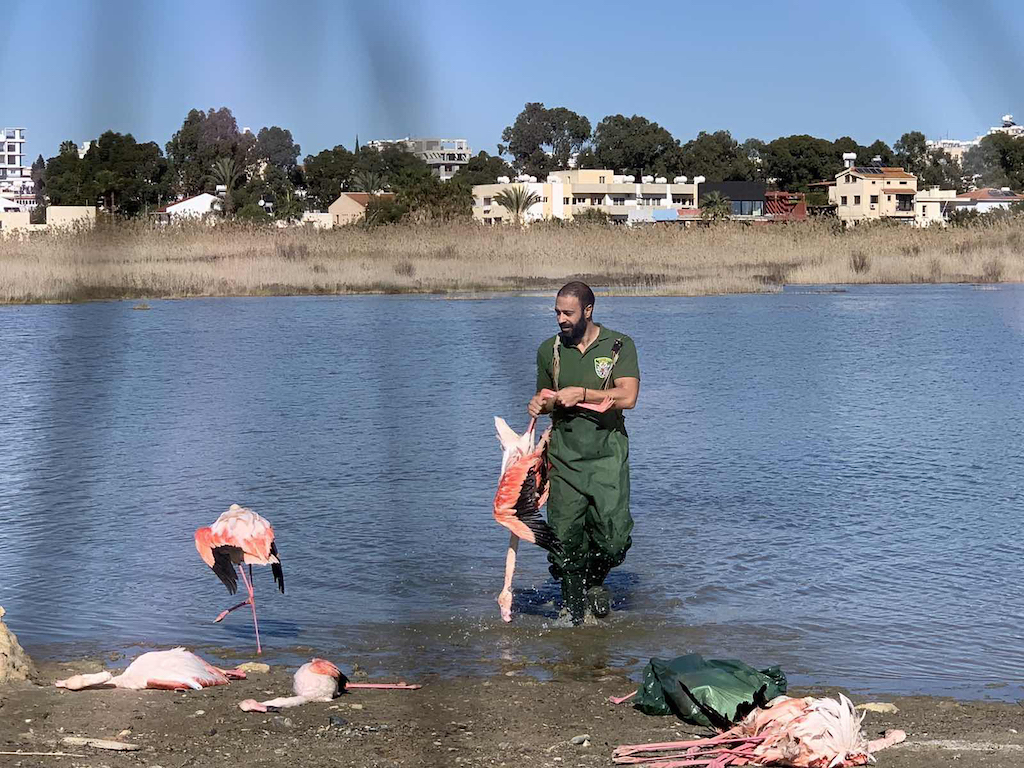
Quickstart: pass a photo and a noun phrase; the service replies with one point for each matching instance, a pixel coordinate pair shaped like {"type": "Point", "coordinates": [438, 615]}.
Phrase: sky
{"type": "Point", "coordinates": [329, 70]}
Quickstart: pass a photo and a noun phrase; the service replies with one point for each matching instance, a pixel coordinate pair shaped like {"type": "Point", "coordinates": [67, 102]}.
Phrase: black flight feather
{"type": "Point", "coordinates": [528, 511]}
{"type": "Point", "coordinates": [276, 568]}
{"type": "Point", "coordinates": [224, 566]}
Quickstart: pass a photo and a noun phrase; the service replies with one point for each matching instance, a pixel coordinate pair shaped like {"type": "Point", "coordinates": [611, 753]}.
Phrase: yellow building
{"type": "Point", "coordinates": [350, 207]}
{"type": "Point", "coordinates": [566, 194]}
{"type": "Point", "coordinates": [864, 193]}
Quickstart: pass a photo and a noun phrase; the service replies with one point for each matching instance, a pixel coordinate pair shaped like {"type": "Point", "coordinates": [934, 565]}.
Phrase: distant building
{"type": "Point", "coordinates": [444, 156]}
{"type": "Point", "coordinates": [865, 193]}
{"type": "Point", "coordinates": [987, 199]}
{"type": "Point", "coordinates": [566, 194]}
{"type": "Point", "coordinates": [350, 207]}
{"type": "Point", "coordinates": [83, 149]}
{"type": "Point", "coordinates": [933, 206]}
{"type": "Point", "coordinates": [195, 207]}
{"type": "Point", "coordinates": [957, 148]}
{"type": "Point", "coordinates": [15, 176]}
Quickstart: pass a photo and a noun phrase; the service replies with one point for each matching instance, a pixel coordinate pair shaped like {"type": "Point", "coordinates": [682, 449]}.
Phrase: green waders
{"type": "Point", "coordinates": [588, 506]}
{"type": "Point", "coordinates": [588, 501]}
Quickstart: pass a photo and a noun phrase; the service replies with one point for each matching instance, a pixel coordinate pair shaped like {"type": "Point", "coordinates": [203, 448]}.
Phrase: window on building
{"type": "Point", "coordinates": [579, 201]}
{"type": "Point", "coordinates": [618, 200]}
{"type": "Point", "coordinates": [487, 201]}
{"type": "Point", "coordinates": [856, 199]}
{"type": "Point", "coordinates": [842, 200]}
{"type": "Point", "coordinates": [874, 199]}
{"type": "Point", "coordinates": [565, 201]}
{"type": "Point", "coordinates": [12, 159]}
{"type": "Point", "coordinates": [682, 199]}
{"type": "Point", "coordinates": [903, 182]}
{"type": "Point", "coordinates": [888, 198]}
{"type": "Point", "coordinates": [12, 147]}
{"type": "Point", "coordinates": [543, 199]}
{"type": "Point", "coordinates": [600, 179]}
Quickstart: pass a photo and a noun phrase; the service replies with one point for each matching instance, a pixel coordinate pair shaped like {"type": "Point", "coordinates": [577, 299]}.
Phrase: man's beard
{"type": "Point", "coordinates": [573, 335]}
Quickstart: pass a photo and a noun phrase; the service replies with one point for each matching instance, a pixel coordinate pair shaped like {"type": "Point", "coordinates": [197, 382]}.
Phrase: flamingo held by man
{"type": "Point", "coordinates": [523, 490]}
{"type": "Point", "coordinates": [316, 680]}
{"type": "Point", "coordinates": [240, 537]}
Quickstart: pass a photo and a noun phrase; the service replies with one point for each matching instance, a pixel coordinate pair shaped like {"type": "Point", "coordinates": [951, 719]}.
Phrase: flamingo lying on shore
{"type": "Point", "coordinates": [802, 733]}
{"type": "Point", "coordinates": [240, 537]}
{"type": "Point", "coordinates": [173, 670]}
{"type": "Point", "coordinates": [316, 680]}
{"type": "Point", "coordinates": [522, 491]}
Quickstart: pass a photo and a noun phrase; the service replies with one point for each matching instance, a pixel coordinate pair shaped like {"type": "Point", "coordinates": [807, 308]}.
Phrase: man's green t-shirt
{"type": "Point", "coordinates": [588, 370]}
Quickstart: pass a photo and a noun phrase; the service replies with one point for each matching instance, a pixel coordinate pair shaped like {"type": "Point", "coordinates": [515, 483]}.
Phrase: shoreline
{"type": "Point", "coordinates": [484, 293]}
{"type": "Point", "coordinates": [508, 719]}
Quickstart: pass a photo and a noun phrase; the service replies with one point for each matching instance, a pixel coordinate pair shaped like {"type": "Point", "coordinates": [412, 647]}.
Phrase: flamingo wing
{"type": "Point", "coordinates": [275, 566]}
{"type": "Point", "coordinates": [519, 499]}
{"type": "Point", "coordinates": [224, 558]}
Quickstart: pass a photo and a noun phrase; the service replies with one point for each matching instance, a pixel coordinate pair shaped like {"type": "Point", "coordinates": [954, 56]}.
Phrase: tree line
{"type": "Point", "coordinates": [208, 151]}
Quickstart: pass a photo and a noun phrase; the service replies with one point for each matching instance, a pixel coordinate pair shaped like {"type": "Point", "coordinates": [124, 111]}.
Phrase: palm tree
{"type": "Point", "coordinates": [517, 201]}
{"type": "Point", "coordinates": [716, 207]}
{"type": "Point", "coordinates": [368, 181]}
{"type": "Point", "coordinates": [227, 174]}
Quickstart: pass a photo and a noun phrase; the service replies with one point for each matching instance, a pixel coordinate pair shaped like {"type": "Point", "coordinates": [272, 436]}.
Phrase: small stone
{"type": "Point", "coordinates": [254, 666]}
{"type": "Point", "coordinates": [884, 708]}
{"type": "Point", "coordinates": [282, 721]}
{"type": "Point", "coordinates": [200, 712]}
{"type": "Point", "coordinates": [510, 673]}
{"type": "Point", "coordinates": [582, 740]}
{"type": "Point", "coordinates": [355, 706]}
{"type": "Point", "coordinates": [125, 732]}
{"type": "Point", "coordinates": [280, 752]}
{"type": "Point", "coordinates": [1013, 730]}
{"type": "Point", "coordinates": [337, 722]}
{"type": "Point", "coordinates": [211, 732]}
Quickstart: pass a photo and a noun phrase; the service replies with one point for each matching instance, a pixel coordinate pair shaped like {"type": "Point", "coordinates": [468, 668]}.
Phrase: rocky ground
{"type": "Point", "coordinates": [507, 720]}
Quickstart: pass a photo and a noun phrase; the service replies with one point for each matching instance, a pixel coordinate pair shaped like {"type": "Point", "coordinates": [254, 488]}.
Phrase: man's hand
{"type": "Point", "coordinates": [567, 397]}
{"type": "Point", "coordinates": [537, 404]}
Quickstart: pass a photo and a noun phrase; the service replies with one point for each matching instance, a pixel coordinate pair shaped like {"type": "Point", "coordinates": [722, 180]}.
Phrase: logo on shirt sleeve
{"type": "Point", "coordinates": [602, 366]}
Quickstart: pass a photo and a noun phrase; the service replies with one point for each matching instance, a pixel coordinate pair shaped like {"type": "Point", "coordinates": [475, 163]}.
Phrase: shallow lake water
{"type": "Point", "coordinates": [829, 481]}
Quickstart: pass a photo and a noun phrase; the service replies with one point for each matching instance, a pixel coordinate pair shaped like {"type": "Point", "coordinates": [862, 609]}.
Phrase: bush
{"type": "Point", "coordinates": [993, 270]}
{"type": "Point", "coordinates": [860, 262]}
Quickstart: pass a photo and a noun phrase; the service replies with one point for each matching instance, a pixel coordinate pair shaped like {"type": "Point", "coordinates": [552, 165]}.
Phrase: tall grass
{"type": "Point", "coordinates": [135, 260]}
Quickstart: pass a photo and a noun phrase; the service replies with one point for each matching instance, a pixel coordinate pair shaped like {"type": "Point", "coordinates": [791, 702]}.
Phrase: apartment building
{"type": "Point", "coordinates": [865, 193]}
{"type": "Point", "coordinates": [444, 156]}
{"type": "Point", "coordinates": [567, 194]}
{"type": "Point", "coordinates": [15, 174]}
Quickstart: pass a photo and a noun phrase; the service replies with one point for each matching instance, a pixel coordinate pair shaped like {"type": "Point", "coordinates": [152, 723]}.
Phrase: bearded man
{"type": "Point", "coordinates": [588, 501]}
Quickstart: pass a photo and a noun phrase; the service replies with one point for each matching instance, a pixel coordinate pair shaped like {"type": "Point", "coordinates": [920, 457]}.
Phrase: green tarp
{"type": "Point", "coordinates": [713, 693]}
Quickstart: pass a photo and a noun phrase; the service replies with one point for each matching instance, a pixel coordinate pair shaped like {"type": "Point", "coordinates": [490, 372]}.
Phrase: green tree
{"type": "Point", "coordinates": [542, 140]}
{"type": "Point", "coordinates": [517, 200]}
{"type": "Point", "coordinates": [275, 146]}
{"type": "Point", "coordinates": [797, 161]}
{"type": "Point", "coordinates": [635, 145]}
{"type": "Point", "coordinates": [202, 138]}
{"type": "Point", "coordinates": [715, 207]}
{"type": "Point", "coordinates": [718, 157]}
{"type": "Point", "coordinates": [912, 152]}
{"type": "Point", "coordinates": [482, 168]}
{"type": "Point", "coordinates": [943, 171]}
{"type": "Point", "coordinates": [226, 173]}
{"type": "Point", "coordinates": [66, 178]}
{"type": "Point", "coordinates": [326, 175]}
{"type": "Point", "coordinates": [997, 161]}
{"type": "Point", "coordinates": [877, 149]}
{"type": "Point", "coordinates": [368, 180]}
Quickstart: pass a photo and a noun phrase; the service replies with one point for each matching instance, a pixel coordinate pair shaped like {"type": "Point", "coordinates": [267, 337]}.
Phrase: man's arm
{"type": "Point", "coordinates": [538, 404]}
{"type": "Point", "coordinates": [623, 394]}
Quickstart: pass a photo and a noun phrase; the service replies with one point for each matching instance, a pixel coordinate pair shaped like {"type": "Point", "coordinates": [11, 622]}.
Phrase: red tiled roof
{"type": "Point", "coordinates": [991, 193]}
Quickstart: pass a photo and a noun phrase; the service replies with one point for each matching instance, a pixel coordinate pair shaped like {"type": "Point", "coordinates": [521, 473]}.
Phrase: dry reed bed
{"type": "Point", "coordinates": [134, 260]}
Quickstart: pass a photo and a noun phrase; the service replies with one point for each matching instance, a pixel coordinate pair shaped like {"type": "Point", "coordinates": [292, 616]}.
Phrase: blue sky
{"type": "Point", "coordinates": [329, 70]}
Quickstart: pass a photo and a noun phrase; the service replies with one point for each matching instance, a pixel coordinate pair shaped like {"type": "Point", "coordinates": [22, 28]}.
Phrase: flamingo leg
{"type": "Point", "coordinates": [252, 604]}
{"type": "Point", "coordinates": [222, 614]}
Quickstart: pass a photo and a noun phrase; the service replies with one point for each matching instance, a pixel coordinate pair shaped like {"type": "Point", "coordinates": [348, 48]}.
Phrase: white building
{"type": "Point", "coordinates": [957, 148]}
{"type": "Point", "coordinates": [15, 175]}
{"type": "Point", "coordinates": [987, 199]}
{"type": "Point", "coordinates": [444, 156]}
{"type": "Point", "coordinates": [933, 206]}
{"type": "Point", "coordinates": [197, 207]}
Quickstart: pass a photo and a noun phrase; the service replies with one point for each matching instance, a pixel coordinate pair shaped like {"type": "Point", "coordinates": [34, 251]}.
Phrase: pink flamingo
{"type": "Point", "coordinates": [522, 491]}
{"type": "Point", "coordinates": [240, 537]}
{"type": "Point", "coordinates": [316, 680]}
{"type": "Point", "coordinates": [803, 733]}
{"type": "Point", "coordinates": [173, 670]}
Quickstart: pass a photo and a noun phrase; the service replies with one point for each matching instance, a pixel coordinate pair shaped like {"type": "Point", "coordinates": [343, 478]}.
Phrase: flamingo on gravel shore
{"type": "Point", "coordinates": [173, 670]}
{"type": "Point", "coordinates": [316, 680]}
{"type": "Point", "coordinates": [240, 537]}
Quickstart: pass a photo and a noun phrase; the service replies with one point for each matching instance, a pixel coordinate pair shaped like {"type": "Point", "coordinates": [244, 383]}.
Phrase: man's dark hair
{"type": "Point", "coordinates": [581, 291]}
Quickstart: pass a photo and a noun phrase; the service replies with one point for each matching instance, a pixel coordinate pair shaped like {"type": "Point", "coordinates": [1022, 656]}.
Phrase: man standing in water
{"type": "Point", "coordinates": [588, 503]}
